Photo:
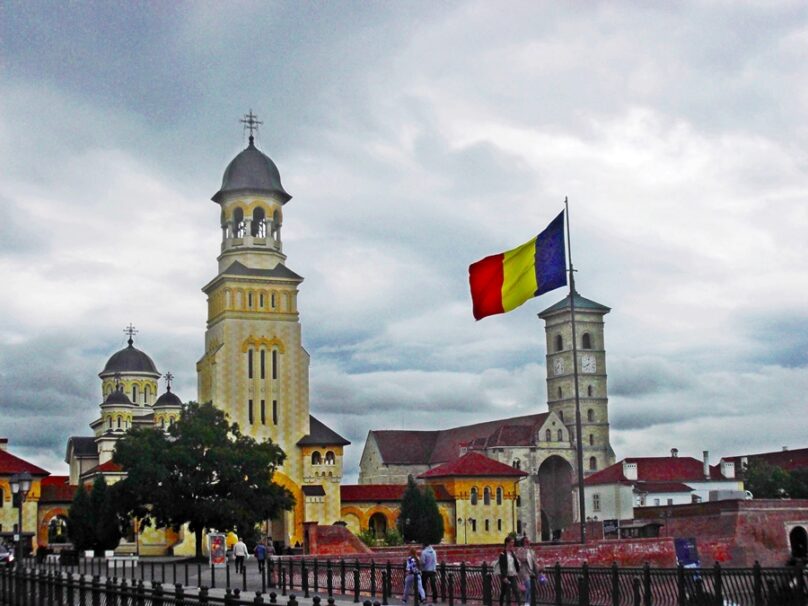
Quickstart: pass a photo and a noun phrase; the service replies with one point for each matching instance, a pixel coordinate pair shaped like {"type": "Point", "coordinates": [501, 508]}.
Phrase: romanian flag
{"type": "Point", "coordinates": [503, 282]}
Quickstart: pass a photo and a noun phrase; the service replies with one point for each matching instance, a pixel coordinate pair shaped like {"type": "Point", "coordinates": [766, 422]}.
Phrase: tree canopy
{"type": "Point", "coordinates": [202, 472]}
{"type": "Point", "coordinates": [419, 518]}
{"type": "Point", "coordinates": [92, 519]}
{"type": "Point", "coordinates": [766, 481]}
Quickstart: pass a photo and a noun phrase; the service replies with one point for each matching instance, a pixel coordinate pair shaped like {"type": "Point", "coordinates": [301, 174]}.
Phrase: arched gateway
{"type": "Point", "coordinates": [555, 496]}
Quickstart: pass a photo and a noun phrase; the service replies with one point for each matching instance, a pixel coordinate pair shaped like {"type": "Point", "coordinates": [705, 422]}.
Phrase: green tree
{"type": "Point", "coordinates": [204, 472]}
{"type": "Point", "coordinates": [106, 523]}
{"type": "Point", "coordinates": [79, 520]}
{"type": "Point", "coordinates": [767, 481]}
{"type": "Point", "coordinates": [798, 486]}
{"type": "Point", "coordinates": [419, 519]}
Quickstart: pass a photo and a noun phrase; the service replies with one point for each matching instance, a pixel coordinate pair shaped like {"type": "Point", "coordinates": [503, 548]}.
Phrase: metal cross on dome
{"type": "Point", "coordinates": [131, 331]}
{"type": "Point", "coordinates": [168, 377]}
{"type": "Point", "coordinates": [251, 122]}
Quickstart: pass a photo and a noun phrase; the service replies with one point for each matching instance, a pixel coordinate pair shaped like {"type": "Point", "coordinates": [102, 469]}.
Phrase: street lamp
{"type": "Point", "coordinates": [20, 485]}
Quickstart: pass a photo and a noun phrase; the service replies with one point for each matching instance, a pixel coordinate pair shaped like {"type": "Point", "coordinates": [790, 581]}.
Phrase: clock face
{"type": "Point", "coordinates": [588, 364]}
{"type": "Point", "coordinates": [558, 366]}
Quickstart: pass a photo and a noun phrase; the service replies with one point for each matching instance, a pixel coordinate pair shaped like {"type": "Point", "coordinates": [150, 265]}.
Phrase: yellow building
{"type": "Point", "coordinates": [477, 498]}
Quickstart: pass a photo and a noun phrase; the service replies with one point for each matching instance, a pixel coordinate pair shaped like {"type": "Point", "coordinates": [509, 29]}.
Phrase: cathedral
{"type": "Point", "coordinates": [253, 367]}
{"type": "Point", "coordinates": [541, 445]}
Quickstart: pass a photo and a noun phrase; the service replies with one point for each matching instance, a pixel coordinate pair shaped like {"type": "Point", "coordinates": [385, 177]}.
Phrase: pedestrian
{"type": "Point", "coordinates": [507, 567]}
{"type": "Point", "coordinates": [260, 553]}
{"type": "Point", "coordinates": [429, 564]}
{"type": "Point", "coordinates": [412, 576]}
{"type": "Point", "coordinates": [527, 568]}
{"type": "Point", "coordinates": [239, 553]}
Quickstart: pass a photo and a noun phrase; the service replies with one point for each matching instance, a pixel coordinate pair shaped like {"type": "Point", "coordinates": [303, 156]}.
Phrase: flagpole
{"type": "Point", "coordinates": [578, 429]}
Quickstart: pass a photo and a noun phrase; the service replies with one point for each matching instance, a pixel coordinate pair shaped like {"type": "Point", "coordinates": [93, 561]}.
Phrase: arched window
{"type": "Point", "coordinates": [590, 415]}
{"type": "Point", "coordinates": [486, 496]}
{"type": "Point", "coordinates": [593, 463]}
{"type": "Point", "coordinates": [263, 363]}
{"type": "Point", "coordinates": [559, 343]}
{"type": "Point", "coordinates": [170, 421]}
{"type": "Point", "coordinates": [146, 394]}
{"type": "Point", "coordinates": [119, 422]}
{"type": "Point", "coordinates": [586, 341]}
{"type": "Point", "coordinates": [238, 223]}
{"type": "Point", "coordinates": [109, 423]}
{"type": "Point", "coordinates": [499, 495]}
{"type": "Point", "coordinates": [473, 495]}
{"type": "Point", "coordinates": [548, 436]}
{"type": "Point", "coordinates": [591, 439]}
{"type": "Point", "coordinates": [330, 458]}
{"type": "Point", "coordinates": [258, 227]}
{"type": "Point", "coordinates": [316, 458]}
{"type": "Point", "coordinates": [276, 225]}
{"type": "Point", "coordinates": [249, 300]}
{"type": "Point", "coordinates": [560, 393]}
{"type": "Point", "coordinates": [560, 436]}
{"type": "Point", "coordinates": [517, 464]}
{"type": "Point", "coordinates": [275, 371]}
{"type": "Point", "coordinates": [249, 363]}
{"type": "Point", "coordinates": [272, 300]}
{"type": "Point", "coordinates": [162, 423]}
{"type": "Point", "coordinates": [589, 391]}
{"type": "Point", "coordinates": [57, 530]}
{"type": "Point", "coordinates": [134, 394]}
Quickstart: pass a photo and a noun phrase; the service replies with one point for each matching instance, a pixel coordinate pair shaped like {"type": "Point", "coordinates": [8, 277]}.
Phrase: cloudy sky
{"type": "Point", "coordinates": [416, 138]}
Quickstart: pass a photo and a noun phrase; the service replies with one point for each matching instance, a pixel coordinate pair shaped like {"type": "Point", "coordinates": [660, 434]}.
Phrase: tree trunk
{"type": "Point", "coordinates": [198, 534]}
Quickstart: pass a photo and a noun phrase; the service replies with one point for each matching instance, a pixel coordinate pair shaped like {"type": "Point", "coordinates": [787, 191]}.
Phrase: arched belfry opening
{"type": "Point", "coordinates": [555, 496]}
{"type": "Point", "coordinates": [258, 226]}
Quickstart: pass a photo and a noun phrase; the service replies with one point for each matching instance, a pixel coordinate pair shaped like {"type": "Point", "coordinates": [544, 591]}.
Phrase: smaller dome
{"type": "Point", "coordinates": [118, 397]}
{"type": "Point", "coordinates": [127, 360]}
{"type": "Point", "coordinates": [168, 399]}
{"type": "Point", "coordinates": [253, 171]}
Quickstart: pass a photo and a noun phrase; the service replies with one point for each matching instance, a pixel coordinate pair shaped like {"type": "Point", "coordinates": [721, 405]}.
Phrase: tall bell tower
{"type": "Point", "coordinates": [593, 394]}
{"type": "Point", "coordinates": [254, 366]}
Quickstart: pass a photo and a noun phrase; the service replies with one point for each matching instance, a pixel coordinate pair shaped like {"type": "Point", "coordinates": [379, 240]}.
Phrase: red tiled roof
{"type": "Point", "coordinates": [9, 464]}
{"type": "Point", "coordinates": [655, 469]}
{"type": "Point", "coordinates": [383, 492]}
{"type": "Point", "coordinates": [786, 459]}
{"type": "Point", "coordinates": [57, 489]}
{"type": "Point", "coordinates": [108, 467]}
{"type": "Point", "coordinates": [662, 487]}
{"type": "Point", "coordinates": [472, 464]}
{"type": "Point", "coordinates": [410, 447]}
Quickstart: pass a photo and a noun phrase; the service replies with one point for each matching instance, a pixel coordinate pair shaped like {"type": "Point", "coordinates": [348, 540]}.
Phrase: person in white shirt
{"type": "Point", "coordinates": [239, 553]}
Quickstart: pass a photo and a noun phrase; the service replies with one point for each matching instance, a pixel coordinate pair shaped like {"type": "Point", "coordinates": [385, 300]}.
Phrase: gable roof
{"type": "Point", "coordinates": [321, 435]}
{"type": "Point", "coordinates": [57, 489]}
{"type": "Point", "coordinates": [359, 493]}
{"type": "Point", "coordinates": [412, 447]}
{"type": "Point", "coordinates": [655, 469]}
{"type": "Point", "coordinates": [473, 464]}
{"type": "Point", "coordinates": [9, 464]}
{"type": "Point", "coordinates": [82, 447]}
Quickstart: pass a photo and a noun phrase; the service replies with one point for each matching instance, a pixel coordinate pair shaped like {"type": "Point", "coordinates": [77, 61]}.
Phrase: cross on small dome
{"type": "Point", "coordinates": [251, 123]}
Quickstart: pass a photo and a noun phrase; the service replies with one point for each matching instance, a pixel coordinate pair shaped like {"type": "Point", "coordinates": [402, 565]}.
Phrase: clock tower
{"type": "Point", "coordinates": [592, 391]}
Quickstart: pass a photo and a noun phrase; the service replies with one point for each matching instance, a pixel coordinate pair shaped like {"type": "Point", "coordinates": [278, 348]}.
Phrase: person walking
{"type": "Point", "coordinates": [429, 564]}
{"type": "Point", "coordinates": [527, 568]}
{"type": "Point", "coordinates": [240, 553]}
{"type": "Point", "coordinates": [413, 577]}
{"type": "Point", "coordinates": [260, 553]}
{"type": "Point", "coordinates": [508, 569]}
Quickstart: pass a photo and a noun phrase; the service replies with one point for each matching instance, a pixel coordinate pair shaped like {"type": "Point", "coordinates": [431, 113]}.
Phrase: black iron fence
{"type": "Point", "coordinates": [97, 582]}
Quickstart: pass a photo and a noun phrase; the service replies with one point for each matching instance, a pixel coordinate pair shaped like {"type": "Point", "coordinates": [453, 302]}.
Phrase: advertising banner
{"type": "Point", "coordinates": [217, 550]}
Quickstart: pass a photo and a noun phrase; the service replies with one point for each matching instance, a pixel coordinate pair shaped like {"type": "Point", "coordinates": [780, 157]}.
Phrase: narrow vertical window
{"type": "Point", "coordinates": [499, 524]}
{"type": "Point", "coordinates": [249, 363]}
{"type": "Point", "coordinates": [274, 363]}
{"type": "Point", "coordinates": [560, 436]}
{"type": "Point", "coordinates": [593, 463]}
{"type": "Point", "coordinates": [548, 436]}
{"type": "Point", "coordinates": [263, 364]}
{"type": "Point", "coordinates": [261, 300]}
{"type": "Point", "coordinates": [134, 394]}
{"type": "Point", "coordinates": [249, 300]}
{"type": "Point", "coordinates": [272, 300]}
{"type": "Point", "coordinates": [263, 412]}
{"type": "Point", "coordinates": [250, 411]}
{"type": "Point", "coordinates": [591, 439]}
{"type": "Point", "coordinates": [275, 412]}
{"type": "Point", "coordinates": [499, 496]}
{"type": "Point", "coordinates": [487, 527]}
